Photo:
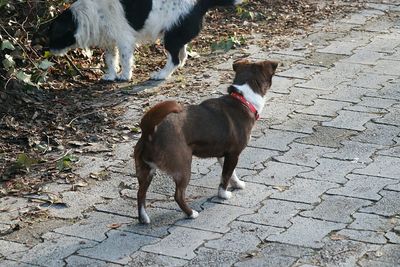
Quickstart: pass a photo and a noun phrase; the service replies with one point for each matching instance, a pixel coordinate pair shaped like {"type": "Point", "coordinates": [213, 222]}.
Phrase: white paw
{"type": "Point", "coordinates": [224, 194]}
{"type": "Point", "coordinates": [238, 184]}
{"type": "Point", "coordinates": [159, 75]}
{"type": "Point", "coordinates": [125, 76]}
{"type": "Point", "coordinates": [194, 215]}
{"type": "Point", "coordinates": [143, 217]}
{"type": "Point", "coordinates": [109, 77]}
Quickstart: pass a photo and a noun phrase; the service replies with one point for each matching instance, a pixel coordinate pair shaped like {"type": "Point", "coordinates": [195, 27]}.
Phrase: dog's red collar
{"type": "Point", "coordinates": [246, 103]}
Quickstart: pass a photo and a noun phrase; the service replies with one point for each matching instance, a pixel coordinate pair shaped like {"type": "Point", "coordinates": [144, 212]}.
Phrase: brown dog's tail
{"type": "Point", "coordinates": [155, 115]}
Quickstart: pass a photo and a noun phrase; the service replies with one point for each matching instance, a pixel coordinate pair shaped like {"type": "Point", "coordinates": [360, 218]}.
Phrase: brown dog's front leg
{"type": "Point", "coordinates": [228, 168]}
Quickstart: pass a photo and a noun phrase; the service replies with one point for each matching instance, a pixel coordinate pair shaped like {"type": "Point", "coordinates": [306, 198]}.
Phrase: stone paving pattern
{"type": "Point", "coordinates": [322, 172]}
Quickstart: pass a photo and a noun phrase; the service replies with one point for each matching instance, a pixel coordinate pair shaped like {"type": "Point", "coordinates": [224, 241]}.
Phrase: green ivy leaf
{"type": "Point", "coordinates": [47, 54]}
{"type": "Point", "coordinates": [6, 44]}
{"type": "Point", "coordinates": [26, 78]}
{"type": "Point", "coordinates": [45, 64]}
{"type": "Point", "coordinates": [8, 62]}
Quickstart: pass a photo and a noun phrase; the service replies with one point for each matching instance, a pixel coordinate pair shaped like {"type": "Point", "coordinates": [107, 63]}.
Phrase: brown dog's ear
{"type": "Point", "coordinates": [238, 63]}
{"type": "Point", "coordinates": [269, 66]}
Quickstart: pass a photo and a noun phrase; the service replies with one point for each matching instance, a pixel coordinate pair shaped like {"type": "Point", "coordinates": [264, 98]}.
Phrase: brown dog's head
{"type": "Point", "coordinates": [258, 75]}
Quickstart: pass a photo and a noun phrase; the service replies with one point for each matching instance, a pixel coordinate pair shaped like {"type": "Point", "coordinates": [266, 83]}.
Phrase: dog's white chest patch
{"type": "Point", "coordinates": [254, 98]}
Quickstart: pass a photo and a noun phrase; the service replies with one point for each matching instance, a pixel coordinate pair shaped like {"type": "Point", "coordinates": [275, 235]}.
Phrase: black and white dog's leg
{"type": "Point", "coordinates": [126, 60]}
{"type": "Point", "coordinates": [111, 59]}
{"type": "Point", "coordinates": [234, 181]}
{"type": "Point", "coordinates": [171, 65]}
{"type": "Point", "coordinates": [183, 55]}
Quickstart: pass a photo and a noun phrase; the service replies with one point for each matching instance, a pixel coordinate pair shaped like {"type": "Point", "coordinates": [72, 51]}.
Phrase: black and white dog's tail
{"type": "Point", "coordinates": [215, 3]}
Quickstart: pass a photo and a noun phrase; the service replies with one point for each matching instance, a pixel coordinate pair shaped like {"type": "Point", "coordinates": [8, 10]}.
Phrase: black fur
{"type": "Point", "coordinates": [62, 31]}
{"type": "Point", "coordinates": [136, 12]}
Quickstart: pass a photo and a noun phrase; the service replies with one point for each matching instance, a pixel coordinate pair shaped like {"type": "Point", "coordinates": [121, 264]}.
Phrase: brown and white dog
{"type": "Point", "coordinates": [218, 127]}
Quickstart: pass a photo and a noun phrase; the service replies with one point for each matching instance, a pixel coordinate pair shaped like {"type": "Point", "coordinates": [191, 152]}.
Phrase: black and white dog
{"type": "Point", "coordinates": [119, 25]}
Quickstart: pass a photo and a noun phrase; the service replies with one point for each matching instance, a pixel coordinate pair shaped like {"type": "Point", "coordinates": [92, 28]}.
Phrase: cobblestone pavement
{"type": "Point", "coordinates": [322, 172]}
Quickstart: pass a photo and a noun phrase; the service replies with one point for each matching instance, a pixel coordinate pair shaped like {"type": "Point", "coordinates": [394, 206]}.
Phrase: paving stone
{"type": "Point", "coordinates": [363, 236]}
{"type": "Point", "coordinates": [359, 108]}
{"type": "Point", "coordinates": [250, 197]}
{"type": "Point", "coordinates": [306, 232]}
{"type": "Point", "coordinates": [242, 238]}
{"type": "Point", "coordinates": [363, 56]}
{"type": "Point", "coordinates": [89, 164]}
{"type": "Point", "coordinates": [387, 67]}
{"type": "Point", "coordinates": [382, 44]}
{"type": "Point", "coordinates": [305, 155]}
{"type": "Point", "coordinates": [296, 124]}
{"type": "Point", "coordinates": [8, 248]}
{"type": "Point", "coordinates": [389, 91]}
{"type": "Point", "coordinates": [83, 261]}
{"type": "Point", "coordinates": [94, 228]}
{"type": "Point", "coordinates": [336, 209]}
{"type": "Point", "coordinates": [361, 186]}
{"type": "Point", "coordinates": [161, 221]}
{"type": "Point", "coordinates": [392, 118]}
{"type": "Point", "coordinates": [394, 187]}
{"type": "Point", "coordinates": [324, 107]}
{"type": "Point", "coordinates": [389, 253]}
{"type": "Point", "coordinates": [277, 112]}
{"type": "Point", "coordinates": [393, 237]}
{"type": "Point", "coordinates": [210, 218]}
{"type": "Point", "coordinates": [305, 190]}
{"type": "Point", "coordinates": [332, 170]}
{"type": "Point", "coordinates": [117, 247]}
{"type": "Point", "coordinates": [76, 203]}
{"type": "Point", "coordinates": [303, 96]}
{"type": "Point", "coordinates": [276, 140]}
{"type": "Point", "coordinates": [252, 158]}
{"type": "Point", "coordinates": [372, 222]}
{"type": "Point", "coordinates": [214, 258]}
{"type": "Point", "coordinates": [121, 207]}
{"type": "Point", "coordinates": [300, 71]}
{"type": "Point", "coordinates": [283, 84]}
{"type": "Point", "coordinates": [15, 207]}
{"type": "Point", "coordinates": [327, 137]}
{"type": "Point", "coordinates": [372, 263]}
{"type": "Point", "coordinates": [275, 213]}
{"type": "Point", "coordinates": [340, 253]}
{"type": "Point", "coordinates": [388, 205]}
{"type": "Point", "coordinates": [376, 102]}
{"type": "Point", "coordinates": [53, 250]}
{"type": "Point", "coordinates": [181, 243]}
{"type": "Point", "coordinates": [10, 263]}
{"type": "Point", "coordinates": [351, 120]}
{"type": "Point", "coordinates": [354, 151]}
{"type": "Point", "coordinates": [144, 259]}
{"type": "Point", "coordinates": [393, 151]}
{"type": "Point", "coordinates": [349, 70]}
{"type": "Point", "coordinates": [202, 166]}
{"type": "Point", "coordinates": [264, 261]}
{"type": "Point", "coordinates": [340, 48]}
{"type": "Point", "coordinates": [371, 81]}
{"type": "Point", "coordinates": [379, 134]}
{"type": "Point", "coordinates": [382, 166]}
{"type": "Point", "coordinates": [321, 59]}
{"type": "Point", "coordinates": [277, 174]}
{"type": "Point", "coordinates": [213, 179]}
{"type": "Point", "coordinates": [346, 93]}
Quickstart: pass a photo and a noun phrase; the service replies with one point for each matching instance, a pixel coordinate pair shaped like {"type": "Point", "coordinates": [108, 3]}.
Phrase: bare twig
{"type": "Point", "coordinates": [75, 67]}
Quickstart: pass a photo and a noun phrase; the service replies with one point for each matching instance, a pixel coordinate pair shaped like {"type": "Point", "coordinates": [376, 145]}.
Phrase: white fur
{"type": "Point", "coordinates": [224, 194]}
{"type": "Point", "coordinates": [254, 98]}
{"type": "Point", "coordinates": [194, 215]}
{"type": "Point", "coordinates": [102, 23]}
{"type": "Point", "coordinates": [234, 180]}
{"type": "Point", "coordinates": [143, 216]}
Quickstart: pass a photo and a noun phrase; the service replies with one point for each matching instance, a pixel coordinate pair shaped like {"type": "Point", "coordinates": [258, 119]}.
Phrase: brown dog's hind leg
{"type": "Point", "coordinates": [228, 168]}
{"type": "Point", "coordinates": [181, 182]}
{"type": "Point", "coordinates": [144, 174]}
